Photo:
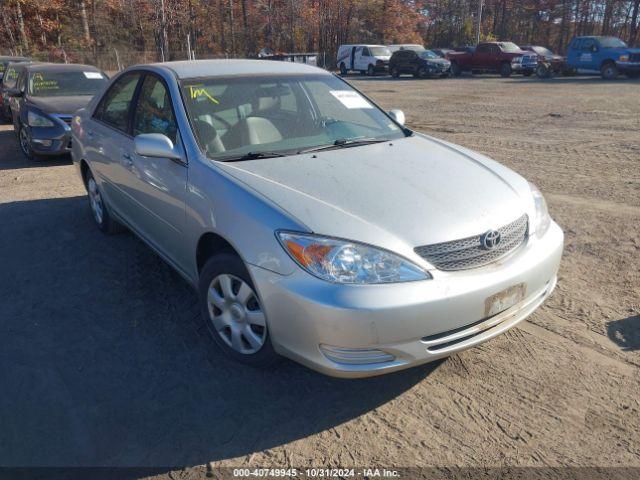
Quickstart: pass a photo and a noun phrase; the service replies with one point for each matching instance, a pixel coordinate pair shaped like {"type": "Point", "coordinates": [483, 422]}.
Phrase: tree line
{"type": "Point", "coordinates": [116, 33]}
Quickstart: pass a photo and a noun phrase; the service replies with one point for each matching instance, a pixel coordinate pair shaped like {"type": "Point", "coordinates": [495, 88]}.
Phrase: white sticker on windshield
{"type": "Point", "coordinates": [351, 99]}
{"type": "Point", "coordinates": [93, 75]}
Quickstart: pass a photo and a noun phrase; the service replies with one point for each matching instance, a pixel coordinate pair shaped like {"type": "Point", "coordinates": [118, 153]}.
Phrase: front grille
{"type": "Point", "coordinates": [530, 59]}
{"type": "Point", "coordinates": [469, 252]}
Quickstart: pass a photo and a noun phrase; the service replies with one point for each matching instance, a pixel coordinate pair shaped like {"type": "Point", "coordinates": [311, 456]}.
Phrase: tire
{"type": "Point", "coordinates": [395, 73]}
{"type": "Point", "coordinates": [99, 209]}
{"type": "Point", "coordinates": [505, 70]}
{"type": "Point", "coordinates": [456, 71]}
{"type": "Point", "coordinates": [371, 71]}
{"type": "Point", "coordinates": [542, 71]}
{"type": "Point", "coordinates": [229, 304]}
{"type": "Point", "coordinates": [24, 140]}
{"type": "Point", "coordinates": [343, 70]}
{"type": "Point", "coordinates": [609, 71]}
{"type": "Point", "coordinates": [422, 73]}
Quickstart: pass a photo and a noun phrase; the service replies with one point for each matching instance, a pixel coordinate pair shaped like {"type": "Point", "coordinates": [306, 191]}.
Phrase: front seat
{"type": "Point", "coordinates": [255, 129]}
{"type": "Point", "coordinates": [209, 137]}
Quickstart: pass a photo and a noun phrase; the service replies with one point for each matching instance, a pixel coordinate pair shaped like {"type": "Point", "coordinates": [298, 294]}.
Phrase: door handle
{"type": "Point", "coordinates": [127, 160]}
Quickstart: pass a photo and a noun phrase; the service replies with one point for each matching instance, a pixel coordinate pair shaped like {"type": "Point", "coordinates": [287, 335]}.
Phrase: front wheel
{"type": "Point", "coordinates": [233, 311]}
{"type": "Point", "coordinates": [422, 73]}
{"type": "Point", "coordinates": [542, 71]}
{"type": "Point", "coordinates": [609, 71]}
{"type": "Point", "coordinates": [395, 73]}
{"type": "Point", "coordinates": [371, 71]}
{"type": "Point", "coordinates": [505, 70]}
{"type": "Point", "coordinates": [24, 137]}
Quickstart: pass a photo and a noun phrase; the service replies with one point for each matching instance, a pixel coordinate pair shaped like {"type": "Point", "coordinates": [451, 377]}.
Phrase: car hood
{"type": "Point", "coordinates": [437, 61]}
{"type": "Point", "coordinates": [66, 104]}
{"type": "Point", "coordinates": [402, 194]}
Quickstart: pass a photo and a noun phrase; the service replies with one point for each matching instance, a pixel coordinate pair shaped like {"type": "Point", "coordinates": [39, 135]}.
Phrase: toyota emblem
{"type": "Point", "coordinates": [490, 239]}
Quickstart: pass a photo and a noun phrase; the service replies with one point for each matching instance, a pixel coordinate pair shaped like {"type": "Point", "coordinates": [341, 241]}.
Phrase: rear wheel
{"type": "Point", "coordinates": [233, 312]}
{"type": "Point", "coordinates": [343, 70]}
{"type": "Point", "coordinates": [609, 71]}
{"type": "Point", "coordinates": [456, 71]}
{"type": "Point", "coordinates": [395, 73]}
{"type": "Point", "coordinates": [505, 70]}
{"type": "Point", "coordinates": [99, 209]}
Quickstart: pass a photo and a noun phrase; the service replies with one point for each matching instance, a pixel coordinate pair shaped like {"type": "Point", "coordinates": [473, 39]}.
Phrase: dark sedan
{"type": "Point", "coordinates": [4, 61]}
{"type": "Point", "coordinates": [43, 103]}
{"type": "Point", "coordinates": [8, 83]}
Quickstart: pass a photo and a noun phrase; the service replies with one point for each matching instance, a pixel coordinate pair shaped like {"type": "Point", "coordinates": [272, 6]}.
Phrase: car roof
{"type": "Point", "coordinates": [221, 68]}
{"type": "Point", "coordinates": [4, 58]}
{"type": "Point", "coordinates": [61, 67]}
{"type": "Point", "coordinates": [365, 45]}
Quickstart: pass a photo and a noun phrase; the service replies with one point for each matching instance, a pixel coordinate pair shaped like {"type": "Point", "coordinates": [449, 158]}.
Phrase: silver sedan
{"type": "Point", "coordinates": [313, 224]}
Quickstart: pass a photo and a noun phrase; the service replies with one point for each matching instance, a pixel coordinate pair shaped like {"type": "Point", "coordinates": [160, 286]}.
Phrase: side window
{"type": "Point", "coordinates": [587, 45]}
{"type": "Point", "coordinates": [10, 77]}
{"type": "Point", "coordinates": [114, 106]}
{"type": "Point", "coordinates": [154, 113]}
{"type": "Point", "coordinates": [365, 52]}
{"type": "Point", "coordinates": [20, 83]}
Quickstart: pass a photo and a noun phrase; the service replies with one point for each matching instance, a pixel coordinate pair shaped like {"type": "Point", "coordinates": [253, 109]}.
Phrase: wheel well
{"type": "Point", "coordinates": [84, 168]}
{"type": "Point", "coordinates": [209, 244]}
{"type": "Point", "coordinates": [607, 62]}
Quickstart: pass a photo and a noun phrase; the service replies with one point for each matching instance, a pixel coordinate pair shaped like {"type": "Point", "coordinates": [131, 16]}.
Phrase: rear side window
{"type": "Point", "coordinates": [114, 106]}
{"type": "Point", "coordinates": [10, 77]}
{"type": "Point", "coordinates": [154, 113]}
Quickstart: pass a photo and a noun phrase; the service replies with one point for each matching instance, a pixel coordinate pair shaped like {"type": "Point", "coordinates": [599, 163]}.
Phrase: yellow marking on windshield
{"type": "Point", "coordinates": [201, 92]}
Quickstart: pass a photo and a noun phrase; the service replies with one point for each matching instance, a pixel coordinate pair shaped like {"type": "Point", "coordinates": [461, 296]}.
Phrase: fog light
{"type": "Point", "coordinates": [355, 356]}
{"type": "Point", "coordinates": [44, 143]}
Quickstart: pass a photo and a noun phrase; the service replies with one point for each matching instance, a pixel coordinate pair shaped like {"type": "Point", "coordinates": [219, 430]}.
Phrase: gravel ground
{"type": "Point", "coordinates": [104, 361]}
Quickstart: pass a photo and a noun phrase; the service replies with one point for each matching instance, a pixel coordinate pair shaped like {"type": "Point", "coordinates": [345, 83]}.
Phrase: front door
{"type": "Point", "coordinates": [158, 185]}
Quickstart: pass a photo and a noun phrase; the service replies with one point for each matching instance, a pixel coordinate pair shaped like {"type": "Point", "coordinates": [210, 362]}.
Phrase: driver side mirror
{"type": "Point", "coordinates": [14, 93]}
{"type": "Point", "coordinates": [397, 115]}
{"type": "Point", "coordinates": [155, 145]}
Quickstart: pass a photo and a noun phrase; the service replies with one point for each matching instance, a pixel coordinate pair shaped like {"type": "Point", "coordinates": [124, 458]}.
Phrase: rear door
{"type": "Point", "coordinates": [158, 185]}
{"type": "Point", "coordinates": [106, 140]}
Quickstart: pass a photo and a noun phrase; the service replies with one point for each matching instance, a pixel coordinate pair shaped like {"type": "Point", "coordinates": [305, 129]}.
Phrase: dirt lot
{"type": "Point", "coordinates": [103, 359]}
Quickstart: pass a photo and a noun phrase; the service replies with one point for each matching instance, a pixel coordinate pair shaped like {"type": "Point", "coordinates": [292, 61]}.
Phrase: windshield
{"type": "Point", "coordinates": [509, 47]}
{"type": "Point", "coordinates": [233, 116]}
{"type": "Point", "coordinates": [380, 51]}
{"type": "Point", "coordinates": [545, 52]}
{"type": "Point", "coordinates": [59, 84]}
{"type": "Point", "coordinates": [612, 42]}
{"type": "Point", "coordinates": [428, 54]}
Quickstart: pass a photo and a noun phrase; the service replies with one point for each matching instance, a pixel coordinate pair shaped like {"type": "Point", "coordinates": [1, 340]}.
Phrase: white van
{"type": "Point", "coordinates": [368, 59]}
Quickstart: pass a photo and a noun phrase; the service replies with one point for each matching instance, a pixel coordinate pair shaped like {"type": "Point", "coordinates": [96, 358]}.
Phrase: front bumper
{"type": "Point", "coordinates": [334, 328]}
{"type": "Point", "coordinates": [52, 141]}
{"type": "Point", "coordinates": [524, 67]}
{"type": "Point", "coordinates": [628, 66]}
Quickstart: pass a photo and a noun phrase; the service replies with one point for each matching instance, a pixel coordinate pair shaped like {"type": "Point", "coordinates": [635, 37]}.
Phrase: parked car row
{"type": "Point", "coordinates": [608, 55]}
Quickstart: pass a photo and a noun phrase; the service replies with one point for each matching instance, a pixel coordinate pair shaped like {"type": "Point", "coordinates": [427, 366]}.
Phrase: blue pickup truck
{"type": "Point", "coordinates": [608, 55]}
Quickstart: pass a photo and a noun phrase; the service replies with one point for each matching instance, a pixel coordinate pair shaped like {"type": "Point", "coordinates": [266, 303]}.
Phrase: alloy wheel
{"type": "Point", "coordinates": [25, 142]}
{"type": "Point", "coordinates": [236, 314]}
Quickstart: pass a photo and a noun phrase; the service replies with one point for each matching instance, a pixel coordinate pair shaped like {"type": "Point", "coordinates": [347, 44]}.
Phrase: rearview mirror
{"type": "Point", "coordinates": [155, 145]}
{"type": "Point", "coordinates": [397, 115]}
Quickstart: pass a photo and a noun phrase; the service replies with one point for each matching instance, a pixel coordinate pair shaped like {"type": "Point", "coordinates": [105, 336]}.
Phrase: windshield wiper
{"type": "Point", "coordinates": [344, 143]}
{"type": "Point", "coordinates": [251, 156]}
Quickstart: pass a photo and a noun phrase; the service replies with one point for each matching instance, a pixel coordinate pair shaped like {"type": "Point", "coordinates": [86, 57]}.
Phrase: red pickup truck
{"type": "Point", "coordinates": [504, 58]}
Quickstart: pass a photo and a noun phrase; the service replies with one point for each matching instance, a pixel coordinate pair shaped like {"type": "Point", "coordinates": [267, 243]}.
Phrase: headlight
{"type": "Point", "coordinates": [37, 120]}
{"type": "Point", "coordinates": [624, 58]}
{"type": "Point", "coordinates": [542, 219]}
{"type": "Point", "coordinates": [342, 261]}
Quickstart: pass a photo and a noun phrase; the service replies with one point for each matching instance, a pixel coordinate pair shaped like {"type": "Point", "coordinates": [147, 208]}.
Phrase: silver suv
{"type": "Point", "coordinates": [313, 224]}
